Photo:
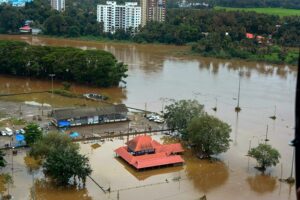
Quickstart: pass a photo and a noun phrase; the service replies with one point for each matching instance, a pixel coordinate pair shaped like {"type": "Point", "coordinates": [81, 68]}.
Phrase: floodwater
{"type": "Point", "coordinates": [158, 73]}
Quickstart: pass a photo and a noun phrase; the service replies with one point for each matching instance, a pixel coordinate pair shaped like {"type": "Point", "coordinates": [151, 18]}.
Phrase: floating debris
{"type": "Point", "coordinates": [95, 146]}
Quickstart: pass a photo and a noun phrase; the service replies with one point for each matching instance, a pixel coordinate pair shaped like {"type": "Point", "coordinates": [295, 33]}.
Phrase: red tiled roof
{"type": "Point", "coordinates": [140, 143]}
{"type": "Point", "coordinates": [148, 160]}
{"type": "Point", "coordinates": [249, 35]}
{"type": "Point", "coordinates": [163, 153]}
{"type": "Point", "coordinates": [170, 148]}
{"type": "Point", "coordinates": [159, 161]}
{"type": "Point", "coordinates": [27, 28]}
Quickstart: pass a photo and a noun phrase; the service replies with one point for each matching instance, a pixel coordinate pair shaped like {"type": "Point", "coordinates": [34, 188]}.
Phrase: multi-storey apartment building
{"type": "Point", "coordinates": [153, 10]}
{"type": "Point", "coordinates": [157, 10]}
{"type": "Point", "coordinates": [58, 5]}
{"type": "Point", "coordinates": [115, 16]}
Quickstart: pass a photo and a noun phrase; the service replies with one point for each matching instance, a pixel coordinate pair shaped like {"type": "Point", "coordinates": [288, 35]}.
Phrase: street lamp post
{"type": "Point", "coordinates": [52, 76]}
{"type": "Point", "coordinates": [266, 140]}
{"type": "Point", "coordinates": [238, 108]}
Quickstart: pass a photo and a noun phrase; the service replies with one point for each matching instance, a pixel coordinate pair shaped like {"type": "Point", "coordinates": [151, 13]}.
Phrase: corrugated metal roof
{"type": "Point", "coordinates": [68, 113]}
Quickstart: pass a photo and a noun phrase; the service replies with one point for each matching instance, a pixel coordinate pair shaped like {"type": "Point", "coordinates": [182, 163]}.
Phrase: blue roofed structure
{"type": "Point", "coordinates": [17, 3]}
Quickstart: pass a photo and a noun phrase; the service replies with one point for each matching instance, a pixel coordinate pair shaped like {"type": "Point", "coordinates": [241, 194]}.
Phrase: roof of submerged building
{"type": "Point", "coordinates": [67, 113]}
{"type": "Point", "coordinates": [163, 154]}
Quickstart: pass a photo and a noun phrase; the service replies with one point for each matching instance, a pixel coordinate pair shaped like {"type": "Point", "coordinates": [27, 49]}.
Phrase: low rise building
{"type": "Point", "coordinates": [67, 117]}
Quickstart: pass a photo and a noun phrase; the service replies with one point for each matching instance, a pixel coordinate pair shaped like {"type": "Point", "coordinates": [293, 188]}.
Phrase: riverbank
{"type": "Point", "coordinates": [174, 50]}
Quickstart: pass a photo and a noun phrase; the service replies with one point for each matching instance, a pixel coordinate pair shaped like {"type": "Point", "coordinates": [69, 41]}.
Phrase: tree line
{"type": "Point", "coordinates": [181, 26]}
{"type": "Point", "coordinates": [294, 4]}
{"type": "Point", "coordinates": [198, 27]}
{"type": "Point", "coordinates": [94, 67]}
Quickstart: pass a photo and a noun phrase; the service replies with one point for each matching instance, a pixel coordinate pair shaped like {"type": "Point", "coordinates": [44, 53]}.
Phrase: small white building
{"type": "Point", "coordinates": [115, 16]}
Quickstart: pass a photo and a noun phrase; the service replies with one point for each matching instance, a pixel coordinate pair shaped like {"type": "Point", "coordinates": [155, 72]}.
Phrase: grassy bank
{"type": "Point", "coordinates": [282, 12]}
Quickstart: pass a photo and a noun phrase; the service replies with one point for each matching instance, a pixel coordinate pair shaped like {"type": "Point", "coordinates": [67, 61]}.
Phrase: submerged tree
{"type": "Point", "coordinates": [32, 133]}
{"type": "Point", "coordinates": [180, 113]}
{"type": "Point", "coordinates": [208, 135]}
{"type": "Point", "coordinates": [62, 164]}
{"type": "Point", "coordinates": [62, 160]}
{"type": "Point", "coordinates": [265, 155]}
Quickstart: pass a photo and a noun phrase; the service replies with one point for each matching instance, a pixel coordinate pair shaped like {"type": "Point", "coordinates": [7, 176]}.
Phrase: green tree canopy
{"type": "Point", "coordinates": [32, 133]}
{"type": "Point", "coordinates": [64, 163]}
{"type": "Point", "coordinates": [265, 155]}
{"type": "Point", "coordinates": [62, 160]}
{"type": "Point", "coordinates": [50, 142]}
{"type": "Point", "coordinates": [208, 135]}
{"type": "Point", "coordinates": [179, 113]}
{"type": "Point", "coordinates": [2, 160]}
{"type": "Point", "coordinates": [94, 67]}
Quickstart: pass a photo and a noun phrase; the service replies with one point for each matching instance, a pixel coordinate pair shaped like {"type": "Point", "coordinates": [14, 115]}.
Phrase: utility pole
{"type": "Point", "coordinates": [291, 179]}
{"type": "Point", "coordinates": [52, 76]}
{"type": "Point", "coordinates": [238, 108]}
{"type": "Point", "coordinates": [266, 140]}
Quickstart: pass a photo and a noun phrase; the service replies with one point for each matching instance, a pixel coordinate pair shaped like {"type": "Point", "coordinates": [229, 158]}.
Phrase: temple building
{"type": "Point", "coordinates": [144, 152]}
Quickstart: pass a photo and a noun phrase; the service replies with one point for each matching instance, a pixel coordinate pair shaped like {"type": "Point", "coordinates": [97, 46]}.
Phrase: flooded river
{"type": "Point", "coordinates": [158, 73]}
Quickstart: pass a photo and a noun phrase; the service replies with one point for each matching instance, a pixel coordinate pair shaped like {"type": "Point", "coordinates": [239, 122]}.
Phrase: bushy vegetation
{"type": "Point", "coordinates": [265, 155]}
{"type": "Point", "coordinates": [180, 113]}
{"type": "Point", "coordinates": [62, 160]}
{"type": "Point", "coordinates": [206, 134]}
{"type": "Point", "coordinates": [222, 46]}
{"type": "Point", "coordinates": [32, 133]}
{"type": "Point", "coordinates": [95, 67]}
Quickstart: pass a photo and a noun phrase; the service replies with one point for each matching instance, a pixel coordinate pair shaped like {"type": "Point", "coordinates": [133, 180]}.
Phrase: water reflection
{"type": "Point", "coordinates": [262, 183]}
{"type": "Point", "coordinates": [206, 175]}
{"type": "Point", "coordinates": [44, 190]}
{"type": "Point", "coordinates": [143, 175]}
{"type": "Point", "coordinates": [214, 66]}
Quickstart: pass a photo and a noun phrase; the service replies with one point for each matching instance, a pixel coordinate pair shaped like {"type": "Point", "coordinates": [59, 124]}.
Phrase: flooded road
{"type": "Point", "coordinates": [158, 73]}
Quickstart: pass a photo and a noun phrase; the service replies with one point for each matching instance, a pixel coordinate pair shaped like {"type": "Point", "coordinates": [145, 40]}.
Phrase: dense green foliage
{"type": "Point", "coordinates": [32, 133]}
{"type": "Point", "coordinates": [222, 46]}
{"type": "Point", "coordinates": [49, 143]}
{"type": "Point", "coordinates": [63, 162]}
{"type": "Point", "coordinates": [180, 113]}
{"type": "Point", "coordinates": [95, 67]}
{"type": "Point", "coordinates": [186, 25]}
{"type": "Point", "coordinates": [265, 155]}
{"type": "Point", "coordinates": [208, 135]}
{"type": "Point", "coordinates": [2, 160]}
{"type": "Point", "coordinates": [182, 26]}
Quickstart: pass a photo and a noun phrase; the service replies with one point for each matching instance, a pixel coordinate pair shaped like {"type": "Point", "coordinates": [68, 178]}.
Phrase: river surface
{"type": "Point", "coordinates": [158, 73]}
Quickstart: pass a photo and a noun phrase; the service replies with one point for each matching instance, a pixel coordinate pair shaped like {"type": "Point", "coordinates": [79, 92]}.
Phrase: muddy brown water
{"type": "Point", "coordinates": [158, 73]}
